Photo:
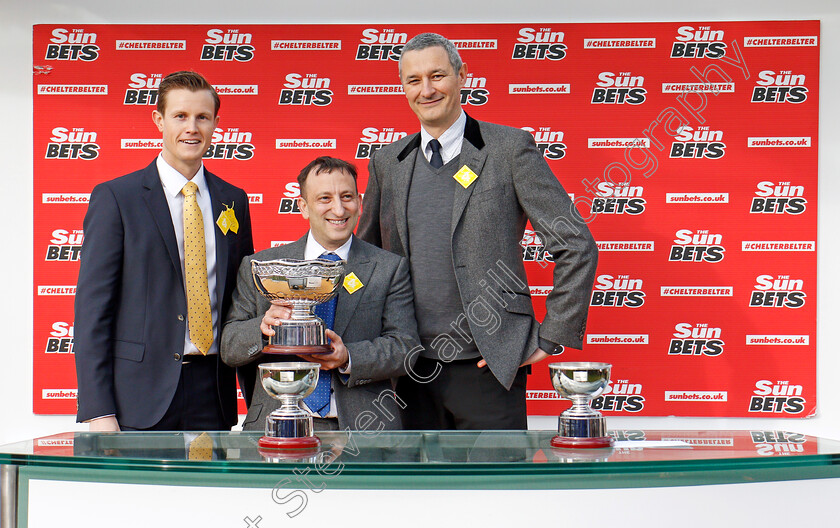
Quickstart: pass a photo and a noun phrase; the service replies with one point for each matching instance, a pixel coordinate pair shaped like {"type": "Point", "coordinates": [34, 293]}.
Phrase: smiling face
{"type": "Point", "coordinates": [187, 126]}
{"type": "Point", "coordinates": [331, 203]}
{"type": "Point", "coordinates": [432, 87]}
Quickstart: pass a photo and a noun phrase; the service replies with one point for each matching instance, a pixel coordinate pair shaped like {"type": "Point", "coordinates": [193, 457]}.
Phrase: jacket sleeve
{"type": "Point", "coordinates": [97, 295]}
{"type": "Point", "coordinates": [565, 236]}
{"type": "Point", "coordinates": [242, 340]}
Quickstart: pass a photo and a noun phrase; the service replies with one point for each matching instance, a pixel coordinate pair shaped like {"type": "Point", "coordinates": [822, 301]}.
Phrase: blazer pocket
{"type": "Point", "coordinates": [494, 193]}
{"type": "Point", "coordinates": [520, 304]}
{"type": "Point", "coordinates": [128, 350]}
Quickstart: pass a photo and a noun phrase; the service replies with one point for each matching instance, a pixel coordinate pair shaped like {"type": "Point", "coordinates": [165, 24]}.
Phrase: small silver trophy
{"type": "Point", "coordinates": [289, 426]}
{"type": "Point", "coordinates": [303, 284]}
{"type": "Point", "coordinates": [580, 426]}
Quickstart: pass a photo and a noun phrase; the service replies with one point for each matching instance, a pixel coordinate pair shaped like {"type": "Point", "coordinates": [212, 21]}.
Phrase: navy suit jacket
{"type": "Point", "coordinates": [131, 307]}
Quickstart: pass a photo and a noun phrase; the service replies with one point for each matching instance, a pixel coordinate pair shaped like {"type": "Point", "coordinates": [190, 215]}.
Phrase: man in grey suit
{"type": "Point", "coordinates": [374, 328]}
{"type": "Point", "coordinates": [455, 199]}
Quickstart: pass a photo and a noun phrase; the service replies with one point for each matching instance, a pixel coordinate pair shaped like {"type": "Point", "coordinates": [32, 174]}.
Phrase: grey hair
{"type": "Point", "coordinates": [429, 40]}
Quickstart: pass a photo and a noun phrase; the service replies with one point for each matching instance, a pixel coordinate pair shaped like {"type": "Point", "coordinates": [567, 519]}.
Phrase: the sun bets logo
{"type": "Point", "coordinates": [782, 87]}
{"type": "Point", "coordinates": [227, 45]}
{"type": "Point", "coordinates": [373, 139]}
{"type": "Point", "coordinates": [618, 198]}
{"type": "Point", "coordinates": [778, 198]}
{"type": "Point", "coordinates": [621, 88]}
{"type": "Point", "coordinates": [777, 292]}
{"type": "Point", "coordinates": [381, 45]}
{"type": "Point", "coordinates": [539, 44]}
{"type": "Point", "coordinates": [617, 292]}
{"type": "Point", "coordinates": [60, 340]}
{"type": "Point", "coordinates": [72, 44]}
{"type": "Point", "coordinates": [697, 246]}
{"type": "Point", "coordinates": [697, 339]}
{"type": "Point", "coordinates": [306, 89]}
{"type": "Point", "coordinates": [475, 91]}
{"type": "Point", "coordinates": [65, 245]}
{"type": "Point", "coordinates": [142, 89]}
{"type": "Point", "coordinates": [699, 143]}
{"type": "Point", "coordinates": [72, 143]}
{"type": "Point", "coordinates": [288, 204]}
{"type": "Point", "coordinates": [699, 43]}
{"type": "Point", "coordinates": [550, 142]}
{"type": "Point", "coordinates": [231, 144]}
{"type": "Point", "coordinates": [777, 397]}
{"type": "Point", "coordinates": [533, 249]}
{"type": "Point", "coordinates": [769, 443]}
{"type": "Point", "coordinates": [620, 395]}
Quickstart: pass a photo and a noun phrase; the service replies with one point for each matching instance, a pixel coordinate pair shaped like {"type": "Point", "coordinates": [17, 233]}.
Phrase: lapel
{"type": "Point", "coordinates": [359, 262]}
{"type": "Point", "coordinates": [159, 211]}
{"type": "Point", "coordinates": [473, 156]}
{"type": "Point", "coordinates": [217, 198]}
{"type": "Point", "coordinates": [295, 250]}
{"type": "Point", "coordinates": [401, 178]}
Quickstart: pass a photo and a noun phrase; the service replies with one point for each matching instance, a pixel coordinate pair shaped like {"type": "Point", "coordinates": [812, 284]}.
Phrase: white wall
{"type": "Point", "coordinates": [17, 422]}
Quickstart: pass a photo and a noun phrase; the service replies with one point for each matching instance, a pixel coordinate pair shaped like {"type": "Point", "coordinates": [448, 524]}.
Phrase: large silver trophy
{"type": "Point", "coordinates": [289, 426]}
{"type": "Point", "coordinates": [580, 426]}
{"type": "Point", "coordinates": [303, 284]}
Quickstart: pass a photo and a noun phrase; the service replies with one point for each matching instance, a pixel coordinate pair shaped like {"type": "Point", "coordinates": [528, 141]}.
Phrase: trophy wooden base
{"type": "Point", "coordinates": [296, 350]}
{"type": "Point", "coordinates": [301, 445]}
{"type": "Point", "coordinates": [573, 442]}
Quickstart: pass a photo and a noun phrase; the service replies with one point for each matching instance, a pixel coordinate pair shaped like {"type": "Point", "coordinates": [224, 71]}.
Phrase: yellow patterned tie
{"type": "Point", "coordinates": [195, 263]}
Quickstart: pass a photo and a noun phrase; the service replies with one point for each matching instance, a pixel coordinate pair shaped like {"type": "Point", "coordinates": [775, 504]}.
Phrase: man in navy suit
{"type": "Point", "coordinates": [139, 365]}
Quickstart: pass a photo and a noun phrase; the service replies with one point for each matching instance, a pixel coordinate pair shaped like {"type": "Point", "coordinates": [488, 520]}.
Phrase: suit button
{"type": "Point", "coordinates": [176, 357]}
{"type": "Point", "coordinates": [180, 317]}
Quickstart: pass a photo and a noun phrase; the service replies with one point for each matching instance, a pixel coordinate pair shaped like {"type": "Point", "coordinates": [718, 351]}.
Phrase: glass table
{"type": "Point", "coordinates": [35, 472]}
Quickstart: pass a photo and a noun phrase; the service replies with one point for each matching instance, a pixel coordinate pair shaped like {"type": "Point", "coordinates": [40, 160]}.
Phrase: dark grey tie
{"type": "Point", "coordinates": [437, 159]}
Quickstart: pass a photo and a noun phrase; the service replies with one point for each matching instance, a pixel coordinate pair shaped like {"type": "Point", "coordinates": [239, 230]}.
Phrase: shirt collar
{"type": "Point", "coordinates": [450, 141]}
{"type": "Point", "coordinates": [173, 181]}
{"type": "Point", "coordinates": [314, 249]}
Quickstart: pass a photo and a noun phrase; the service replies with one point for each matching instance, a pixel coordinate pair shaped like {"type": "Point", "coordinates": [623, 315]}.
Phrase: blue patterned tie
{"type": "Point", "coordinates": [319, 400]}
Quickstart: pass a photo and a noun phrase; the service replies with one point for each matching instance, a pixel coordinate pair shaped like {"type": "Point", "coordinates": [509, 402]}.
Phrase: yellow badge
{"type": "Point", "coordinates": [227, 221]}
{"type": "Point", "coordinates": [465, 176]}
{"type": "Point", "coordinates": [352, 283]}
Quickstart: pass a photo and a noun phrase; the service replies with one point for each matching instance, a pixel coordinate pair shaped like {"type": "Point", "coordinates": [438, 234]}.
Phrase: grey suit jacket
{"type": "Point", "coordinates": [375, 322]}
{"type": "Point", "coordinates": [514, 184]}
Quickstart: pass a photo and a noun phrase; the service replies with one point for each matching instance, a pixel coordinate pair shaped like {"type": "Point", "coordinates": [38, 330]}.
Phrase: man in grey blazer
{"type": "Point", "coordinates": [374, 328]}
{"type": "Point", "coordinates": [455, 199]}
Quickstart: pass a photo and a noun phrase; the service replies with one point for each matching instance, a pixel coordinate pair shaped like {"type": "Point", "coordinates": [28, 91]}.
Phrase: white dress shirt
{"type": "Point", "coordinates": [450, 141]}
{"type": "Point", "coordinates": [173, 181]}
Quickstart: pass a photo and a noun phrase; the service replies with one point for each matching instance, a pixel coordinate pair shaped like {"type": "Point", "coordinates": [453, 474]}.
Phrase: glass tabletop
{"type": "Point", "coordinates": [426, 450]}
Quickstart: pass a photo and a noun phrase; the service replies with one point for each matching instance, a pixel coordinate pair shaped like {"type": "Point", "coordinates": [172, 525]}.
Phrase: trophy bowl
{"type": "Point", "coordinates": [302, 284]}
{"type": "Point", "coordinates": [289, 426]}
{"type": "Point", "coordinates": [580, 426]}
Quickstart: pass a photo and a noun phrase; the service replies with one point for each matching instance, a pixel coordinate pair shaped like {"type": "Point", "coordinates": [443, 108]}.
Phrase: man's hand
{"type": "Point", "coordinates": [335, 359]}
{"type": "Point", "coordinates": [277, 311]}
{"type": "Point", "coordinates": [538, 355]}
{"type": "Point", "coordinates": [106, 424]}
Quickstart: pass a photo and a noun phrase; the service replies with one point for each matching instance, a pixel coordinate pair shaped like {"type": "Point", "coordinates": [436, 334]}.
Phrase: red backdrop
{"type": "Point", "coordinates": [691, 148]}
